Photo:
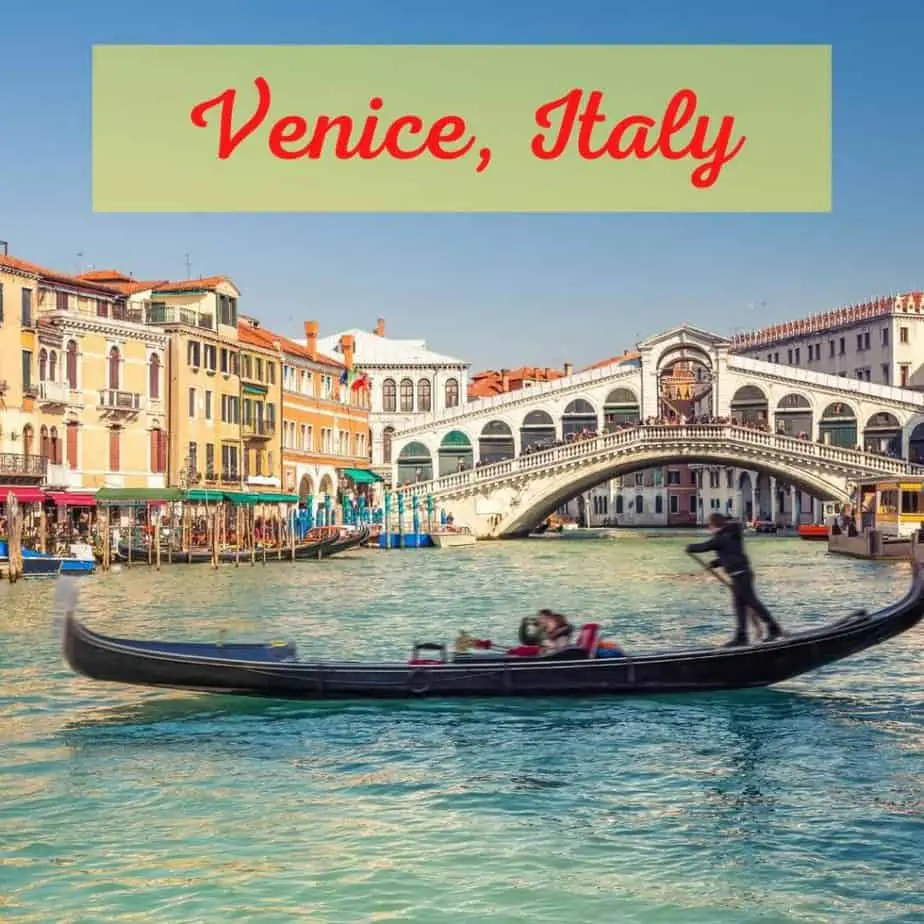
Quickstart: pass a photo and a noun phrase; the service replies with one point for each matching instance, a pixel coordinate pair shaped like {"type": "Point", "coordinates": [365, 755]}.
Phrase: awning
{"type": "Point", "coordinates": [361, 475]}
{"type": "Point", "coordinates": [25, 495]}
{"type": "Point", "coordinates": [72, 499]}
{"type": "Point", "coordinates": [115, 497]}
{"type": "Point", "coordinates": [250, 389]}
{"type": "Point", "coordinates": [276, 498]}
{"type": "Point", "coordinates": [205, 496]}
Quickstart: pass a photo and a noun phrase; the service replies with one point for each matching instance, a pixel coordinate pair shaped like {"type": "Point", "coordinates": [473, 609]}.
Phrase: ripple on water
{"type": "Point", "coordinates": [799, 804]}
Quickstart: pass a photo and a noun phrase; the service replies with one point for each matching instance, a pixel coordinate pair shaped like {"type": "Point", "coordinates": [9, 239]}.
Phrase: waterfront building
{"type": "Point", "coordinates": [409, 385]}
{"type": "Point", "coordinates": [879, 341]}
{"type": "Point", "coordinates": [261, 376]}
{"type": "Point", "coordinates": [499, 382]}
{"type": "Point", "coordinates": [325, 419]}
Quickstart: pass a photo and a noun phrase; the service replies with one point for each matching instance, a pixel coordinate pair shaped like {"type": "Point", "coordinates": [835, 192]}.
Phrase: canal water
{"type": "Point", "coordinates": [798, 804]}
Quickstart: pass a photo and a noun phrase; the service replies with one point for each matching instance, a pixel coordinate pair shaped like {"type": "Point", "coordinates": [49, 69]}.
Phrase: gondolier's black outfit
{"type": "Point", "coordinates": [728, 544]}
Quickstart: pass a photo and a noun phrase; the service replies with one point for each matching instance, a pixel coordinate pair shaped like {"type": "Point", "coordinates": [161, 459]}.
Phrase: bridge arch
{"type": "Point", "coordinates": [496, 442]}
{"type": "Point", "coordinates": [794, 414]}
{"type": "Point", "coordinates": [621, 406]}
{"type": "Point", "coordinates": [883, 433]}
{"type": "Point", "coordinates": [548, 494]}
{"type": "Point", "coordinates": [579, 415]}
{"type": "Point", "coordinates": [537, 429]}
{"type": "Point", "coordinates": [455, 453]}
{"type": "Point", "coordinates": [415, 463]}
{"type": "Point", "coordinates": [750, 405]}
{"type": "Point", "coordinates": [838, 425]}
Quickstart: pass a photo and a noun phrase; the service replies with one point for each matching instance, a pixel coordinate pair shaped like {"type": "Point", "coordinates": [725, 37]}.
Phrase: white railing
{"type": "Point", "coordinates": [482, 407]}
{"type": "Point", "coordinates": [54, 392]}
{"type": "Point", "coordinates": [641, 437]}
{"type": "Point", "coordinates": [115, 400]}
{"type": "Point", "coordinates": [885, 393]}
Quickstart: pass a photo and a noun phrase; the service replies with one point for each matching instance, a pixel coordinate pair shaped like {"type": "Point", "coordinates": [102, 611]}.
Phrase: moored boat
{"type": "Point", "coordinates": [306, 551]}
{"type": "Point", "coordinates": [40, 566]}
{"type": "Point", "coordinates": [458, 537]}
{"type": "Point", "coordinates": [275, 670]}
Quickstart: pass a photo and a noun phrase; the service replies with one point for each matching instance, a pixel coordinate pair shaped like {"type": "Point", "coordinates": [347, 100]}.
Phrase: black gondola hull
{"type": "Point", "coordinates": [266, 670]}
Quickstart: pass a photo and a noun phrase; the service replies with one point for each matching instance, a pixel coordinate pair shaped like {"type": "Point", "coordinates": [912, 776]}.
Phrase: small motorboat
{"type": "Point", "coordinates": [813, 532]}
{"type": "Point", "coordinates": [453, 537]}
{"type": "Point", "coordinates": [274, 669]}
{"type": "Point", "coordinates": [81, 559]}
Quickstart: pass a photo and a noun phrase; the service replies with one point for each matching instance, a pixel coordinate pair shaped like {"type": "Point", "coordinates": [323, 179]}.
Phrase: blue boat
{"type": "Point", "coordinates": [40, 567]}
{"type": "Point", "coordinates": [68, 564]}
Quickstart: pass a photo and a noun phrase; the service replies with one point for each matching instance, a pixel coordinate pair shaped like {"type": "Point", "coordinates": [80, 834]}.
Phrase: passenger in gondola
{"type": "Point", "coordinates": [728, 544]}
{"type": "Point", "coordinates": [557, 631]}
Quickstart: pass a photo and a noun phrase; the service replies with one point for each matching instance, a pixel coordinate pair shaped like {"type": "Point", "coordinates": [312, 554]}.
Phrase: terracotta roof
{"type": "Point", "coordinates": [209, 283]}
{"type": "Point", "coordinates": [491, 381]}
{"type": "Point", "coordinates": [256, 336]}
{"type": "Point", "coordinates": [260, 336]}
{"type": "Point", "coordinates": [623, 358]}
{"type": "Point", "coordinates": [121, 282]}
{"type": "Point", "coordinates": [24, 266]}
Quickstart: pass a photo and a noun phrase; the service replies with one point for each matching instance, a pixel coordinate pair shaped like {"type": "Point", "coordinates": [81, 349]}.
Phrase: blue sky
{"type": "Point", "coordinates": [500, 290]}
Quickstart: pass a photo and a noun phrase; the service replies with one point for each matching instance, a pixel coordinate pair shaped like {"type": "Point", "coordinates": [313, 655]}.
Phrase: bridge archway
{"type": "Point", "coordinates": [838, 425]}
{"type": "Point", "coordinates": [455, 453]}
{"type": "Point", "coordinates": [794, 415]}
{"type": "Point", "coordinates": [749, 405]}
{"type": "Point", "coordinates": [414, 464]}
{"type": "Point", "coordinates": [916, 444]}
{"type": "Point", "coordinates": [579, 416]}
{"type": "Point", "coordinates": [685, 382]}
{"type": "Point", "coordinates": [621, 407]}
{"type": "Point", "coordinates": [537, 429]}
{"type": "Point", "coordinates": [496, 443]}
{"type": "Point", "coordinates": [883, 433]}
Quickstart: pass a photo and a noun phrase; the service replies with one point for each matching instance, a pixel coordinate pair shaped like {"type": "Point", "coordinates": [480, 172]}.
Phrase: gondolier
{"type": "Point", "coordinates": [728, 544]}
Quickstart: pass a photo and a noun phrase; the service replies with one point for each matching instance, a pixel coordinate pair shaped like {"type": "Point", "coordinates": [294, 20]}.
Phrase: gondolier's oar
{"type": "Point", "coordinates": [723, 580]}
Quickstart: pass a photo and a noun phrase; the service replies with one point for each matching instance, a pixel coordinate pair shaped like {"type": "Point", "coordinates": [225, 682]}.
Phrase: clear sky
{"type": "Point", "coordinates": [499, 290]}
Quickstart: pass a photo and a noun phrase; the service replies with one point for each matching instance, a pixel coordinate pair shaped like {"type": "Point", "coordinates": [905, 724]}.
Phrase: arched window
{"type": "Point", "coordinates": [28, 438]}
{"type": "Point", "coordinates": [387, 436]}
{"type": "Point", "coordinates": [72, 445]}
{"type": "Point", "coordinates": [44, 442]}
{"type": "Point", "coordinates": [158, 451]}
{"type": "Point", "coordinates": [407, 395]}
{"type": "Point", "coordinates": [54, 447]}
{"type": "Point", "coordinates": [114, 363]}
{"type": "Point", "coordinates": [423, 395]}
{"type": "Point", "coordinates": [154, 378]}
{"type": "Point", "coordinates": [52, 366]}
{"type": "Point", "coordinates": [43, 364]}
{"type": "Point", "coordinates": [389, 396]}
{"type": "Point", "coordinates": [115, 439]}
{"type": "Point", "coordinates": [72, 364]}
{"type": "Point", "coordinates": [452, 393]}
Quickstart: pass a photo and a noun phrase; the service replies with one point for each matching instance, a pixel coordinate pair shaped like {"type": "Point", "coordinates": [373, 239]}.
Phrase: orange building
{"type": "Point", "coordinates": [493, 382]}
{"type": "Point", "coordinates": [325, 420]}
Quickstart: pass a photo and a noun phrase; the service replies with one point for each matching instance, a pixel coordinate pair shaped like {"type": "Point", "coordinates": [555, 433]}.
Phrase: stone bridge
{"type": "Point", "coordinates": [835, 411]}
{"type": "Point", "coordinates": [508, 498]}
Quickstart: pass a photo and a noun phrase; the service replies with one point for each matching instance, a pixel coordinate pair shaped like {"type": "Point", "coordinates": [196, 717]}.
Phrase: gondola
{"type": "Point", "coordinates": [320, 548]}
{"type": "Point", "coordinates": [274, 669]}
{"type": "Point", "coordinates": [350, 541]}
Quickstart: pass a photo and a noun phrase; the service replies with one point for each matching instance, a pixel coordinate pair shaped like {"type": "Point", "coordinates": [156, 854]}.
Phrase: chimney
{"type": "Point", "coordinates": [505, 380]}
{"type": "Point", "coordinates": [347, 345]}
{"type": "Point", "coordinates": [569, 368]}
{"type": "Point", "coordinates": [379, 328]}
{"type": "Point", "coordinates": [311, 338]}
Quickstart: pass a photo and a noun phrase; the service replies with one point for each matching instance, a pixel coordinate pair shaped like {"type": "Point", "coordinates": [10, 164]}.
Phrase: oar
{"type": "Point", "coordinates": [755, 620]}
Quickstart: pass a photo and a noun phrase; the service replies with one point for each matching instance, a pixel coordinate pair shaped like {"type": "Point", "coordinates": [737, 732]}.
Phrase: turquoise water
{"type": "Point", "coordinates": [803, 803]}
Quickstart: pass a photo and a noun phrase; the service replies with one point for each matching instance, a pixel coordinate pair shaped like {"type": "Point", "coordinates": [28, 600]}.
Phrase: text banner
{"type": "Point", "coordinates": [456, 128]}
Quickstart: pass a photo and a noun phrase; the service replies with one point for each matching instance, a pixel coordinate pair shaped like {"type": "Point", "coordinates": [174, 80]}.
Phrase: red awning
{"type": "Point", "coordinates": [23, 495]}
{"type": "Point", "coordinates": [72, 499]}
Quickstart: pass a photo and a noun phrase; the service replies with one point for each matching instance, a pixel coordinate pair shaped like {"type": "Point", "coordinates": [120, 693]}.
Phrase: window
{"type": "Point", "coordinates": [769, 357]}
{"type": "Point", "coordinates": [258, 366]}
{"type": "Point", "coordinates": [776, 357]}
{"type": "Point", "coordinates": [54, 447]}
{"type": "Point", "coordinates": [72, 445]}
{"type": "Point", "coordinates": [154, 377]}
{"type": "Point", "coordinates": [71, 364]}
{"type": "Point", "coordinates": [223, 360]}
{"type": "Point", "coordinates": [903, 373]}
{"type": "Point", "coordinates": [811, 351]}
{"type": "Point", "coordinates": [789, 357]}
{"type": "Point", "coordinates": [211, 357]}
{"type": "Point", "coordinates": [885, 336]}
{"type": "Point", "coordinates": [407, 395]}
{"type": "Point", "coordinates": [729, 478]}
{"type": "Point", "coordinates": [659, 504]}
{"type": "Point", "coordinates": [423, 395]}
{"type": "Point", "coordinates": [26, 313]}
{"type": "Point", "coordinates": [208, 405]}
{"type": "Point", "coordinates": [115, 440]}
{"type": "Point", "coordinates": [114, 362]}
{"type": "Point", "coordinates": [271, 373]}
{"type": "Point", "coordinates": [692, 503]}
{"type": "Point", "coordinates": [903, 335]}
{"type": "Point", "coordinates": [192, 402]}
{"type": "Point", "coordinates": [194, 353]}
{"type": "Point", "coordinates": [843, 346]}
{"type": "Point", "coordinates": [43, 365]}
{"type": "Point", "coordinates": [102, 308]}
{"type": "Point", "coordinates": [387, 435]}
{"type": "Point", "coordinates": [158, 451]}
{"type": "Point", "coordinates": [209, 460]}
{"type": "Point", "coordinates": [859, 341]}
{"type": "Point", "coordinates": [797, 356]}
{"type": "Point", "coordinates": [639, 478]}
{"type": "Point", "coordinates": [885, 373]}
{"type": "Point", "coordinates": [229, 462]}
{"type": "Point", "coordinates": [227, 310]}
{"type": "Point", "coordinates": [192, 458]}
{"type": "Point", "coordinates": [246, 366]}
{"type": "Point", "coordinates": [26, 369]}
{"type": "Point", "coordinates": [27, 439]}
{"type": "Point", "coordinates": [673, 477]}
{"type": "Point", "coordinates": [866, 341]}
{"type": "Point", "coordinates": [830, 348]}
{"type": "Point", "coordinates": [618, 503]}
{"type": "Point", "coordinates": [452, 393]}
{"type": "Point", "coordinates": [639, 503]}
{"type": "Point", "coordinates": [674, 503]}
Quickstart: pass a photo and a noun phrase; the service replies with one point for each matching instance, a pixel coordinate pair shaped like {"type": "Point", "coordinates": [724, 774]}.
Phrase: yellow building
{"type": "Point", "coordinates": [199, 319]}
{"type": "Point", "coordinates": [261, 400]}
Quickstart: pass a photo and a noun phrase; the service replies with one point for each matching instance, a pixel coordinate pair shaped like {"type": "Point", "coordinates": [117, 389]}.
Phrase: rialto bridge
{"type": "Point", "coordinates": [503, 463]}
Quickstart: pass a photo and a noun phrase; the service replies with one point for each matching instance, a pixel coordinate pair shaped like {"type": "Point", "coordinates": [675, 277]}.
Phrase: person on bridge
{"type": "Point", "coordinates": [728, 543]}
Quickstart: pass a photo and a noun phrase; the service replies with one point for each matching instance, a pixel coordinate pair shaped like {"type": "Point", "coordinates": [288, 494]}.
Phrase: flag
{"type": "Point", "coordinates": [343, 377]}
{"type": "Point", "coordinates": [361, 382]}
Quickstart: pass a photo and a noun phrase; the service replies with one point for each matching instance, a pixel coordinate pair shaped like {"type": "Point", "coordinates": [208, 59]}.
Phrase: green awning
{"type": "Point", "coordinates": [238, 498]}
{"type": "Point", "coordinates": [205, 496]}
{"type": "Point", "coordinates": [275, 498]}
{"type": "Point", "coordinates": [250, 389]}
{"type": "Point", "coordinates": [127, 496]}
{"type": "Point", "coordinates": [361, 475]}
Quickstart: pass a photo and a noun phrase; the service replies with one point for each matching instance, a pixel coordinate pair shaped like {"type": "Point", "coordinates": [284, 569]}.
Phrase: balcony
{"type": "Point", "coordinates": [53, 392]}
{"type": "Point", "coordinates": [115, 401]}
{"type": "Point", "coordinates": [15, 465]}
{"type": "Point", "coordinates": [259, 429]}
{"type": "Point", "coordinates": [173, 314]}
